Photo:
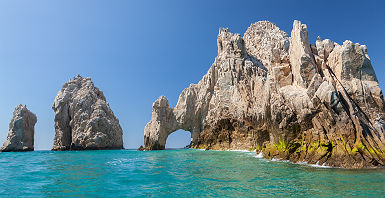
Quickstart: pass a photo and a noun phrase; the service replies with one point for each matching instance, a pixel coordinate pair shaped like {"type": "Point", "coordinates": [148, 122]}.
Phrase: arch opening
{"type": "Point", "coordinates": [178, 139]}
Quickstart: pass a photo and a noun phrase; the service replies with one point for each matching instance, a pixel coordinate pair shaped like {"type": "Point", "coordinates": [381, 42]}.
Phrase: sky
{"type": "Point", "coordinates": [136, 51]}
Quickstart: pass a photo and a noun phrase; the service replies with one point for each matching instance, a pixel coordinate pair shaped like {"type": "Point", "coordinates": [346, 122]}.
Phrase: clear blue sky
{"type": "Point", "coordinates": [136, 51]}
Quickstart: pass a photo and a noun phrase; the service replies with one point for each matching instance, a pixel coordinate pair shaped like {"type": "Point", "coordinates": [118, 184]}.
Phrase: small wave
{"type": "Point", "coordinates": [279, 160]}
{"type": "Point", "coordinates": [319, 166]}
{"type": "Point", "coordinates": [302, 163]}
{"type": "Point", "coordinates": [239, 150]}
{"type": "Point", "coordinates": [316, 165]}
{"type": "Point", "coordinates": [259, 155]}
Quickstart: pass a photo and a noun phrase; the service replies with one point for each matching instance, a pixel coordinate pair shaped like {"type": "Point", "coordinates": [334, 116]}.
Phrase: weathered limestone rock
{"type": "Point", "coordinates": [301, 58]}
{"type": "Point", "coordinates": [83, 118]}
{"type": "Point", "coordinates": [351, 61]}
{"type": "Point", "coordinates": [163, 123]}
{"type": "Point", "coordinates": [265, 41]}
{"type": "Point", "coordinates": [283, 97]}
{"type": "Point", "coordinates": [21, 131]}
{"type": "Point", "coordinates": [270, 45]}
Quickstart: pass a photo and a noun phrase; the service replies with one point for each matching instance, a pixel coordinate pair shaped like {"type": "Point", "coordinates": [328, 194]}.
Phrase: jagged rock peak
{"type": "Point", "coordinates": [265, 41]}
{"type": "Point", "coordinates": [230, 44]}
{"type": "Point", "coordinates": [84, 119]}
{"type": "Point", "coordinates": [301, 57]}
{"type": "Point", "coordinates": [284, 97]}
{"type": "Point", "coordinates": [21, 130]}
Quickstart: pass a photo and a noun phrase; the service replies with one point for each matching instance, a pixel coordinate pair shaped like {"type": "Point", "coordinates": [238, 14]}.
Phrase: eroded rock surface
{"type": "Point", "coordinates": [284, 97]}
{"type": "Point", "coordinates": [21, 131]}
{"type": "Point", "coordinates": [83, 118]}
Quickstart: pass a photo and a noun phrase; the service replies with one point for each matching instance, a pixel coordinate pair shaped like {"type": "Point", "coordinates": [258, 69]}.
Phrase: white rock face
{"type": "Point", "coordinates": [21, 131]}
{"type": "Point", "coordinates": [284, 97]}
{"type": "Point", "coordinates": [301, 58]}
{"type": "Point", "coordinates": [83, 118]}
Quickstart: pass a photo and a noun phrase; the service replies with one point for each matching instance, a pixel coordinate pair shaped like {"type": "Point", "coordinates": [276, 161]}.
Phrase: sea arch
{"type": "Point", "coordinates": [165, 121]}
{"type": "Point", "coordinates": [178, 139]}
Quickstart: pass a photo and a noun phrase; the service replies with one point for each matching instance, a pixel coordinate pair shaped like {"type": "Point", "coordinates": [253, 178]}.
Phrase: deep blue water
{"type": "Point", "coordinates": [175, 173]}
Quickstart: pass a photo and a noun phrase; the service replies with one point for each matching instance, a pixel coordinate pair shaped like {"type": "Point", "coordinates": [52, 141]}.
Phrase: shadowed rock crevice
{"type": "Point", "coordinates": [83, 118]}
{"type": "Point", "coordinates": [284, 97]}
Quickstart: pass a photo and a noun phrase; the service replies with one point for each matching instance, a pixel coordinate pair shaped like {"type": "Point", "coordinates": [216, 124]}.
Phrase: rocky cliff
{"type": "Point", "coordinates": [282, 96]}
{"type": "Point", "coordinates": [83, 118]}
{"type": "Point", "coordinates": [21, 131]}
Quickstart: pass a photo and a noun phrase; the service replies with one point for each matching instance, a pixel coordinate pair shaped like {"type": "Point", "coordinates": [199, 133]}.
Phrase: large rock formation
{"type": "Point", "coordinates": [21, 131]}
{"type": "Point", "coordinates": [83, 118]}
{"type": "Point", "coordinates": [284, 97]}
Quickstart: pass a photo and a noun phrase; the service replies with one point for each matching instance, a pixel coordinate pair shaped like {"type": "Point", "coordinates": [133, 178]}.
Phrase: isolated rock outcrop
{"type": "Point", "coordinates": [284, 97]}
{"type": "Point", "coordinates": [21, 130]}
{"type": "Point", "coordinates": [83, 118]}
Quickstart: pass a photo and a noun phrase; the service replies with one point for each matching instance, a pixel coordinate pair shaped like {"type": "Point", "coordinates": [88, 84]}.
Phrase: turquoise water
{"type": "Point", "coordinates": [175, 173]}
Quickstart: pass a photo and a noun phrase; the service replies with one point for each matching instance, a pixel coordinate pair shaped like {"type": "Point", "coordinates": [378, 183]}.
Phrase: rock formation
{"type": "Point", "coordinates": [284, 97]}
{"type": "Point", "coordinates": [83, 118]}
{"type": "Point", "coordinates": [21, 131]}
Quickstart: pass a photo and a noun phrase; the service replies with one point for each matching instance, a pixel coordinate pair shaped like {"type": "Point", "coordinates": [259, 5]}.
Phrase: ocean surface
{"type": "Point", "coordinates": [176, 173]}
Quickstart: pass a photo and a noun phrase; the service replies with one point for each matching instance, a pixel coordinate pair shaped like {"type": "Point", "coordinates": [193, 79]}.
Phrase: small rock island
{"type": "Point", "coordinates": [282, 96]}
{"type": "Point", "coordinates": [21, 131]}
{"type": "Point", "coordinates": [84, 119]}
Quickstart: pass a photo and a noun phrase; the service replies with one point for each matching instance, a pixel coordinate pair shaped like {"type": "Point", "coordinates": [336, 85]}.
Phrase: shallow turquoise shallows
{"type": "Point", "coordinates": [175, 173]}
